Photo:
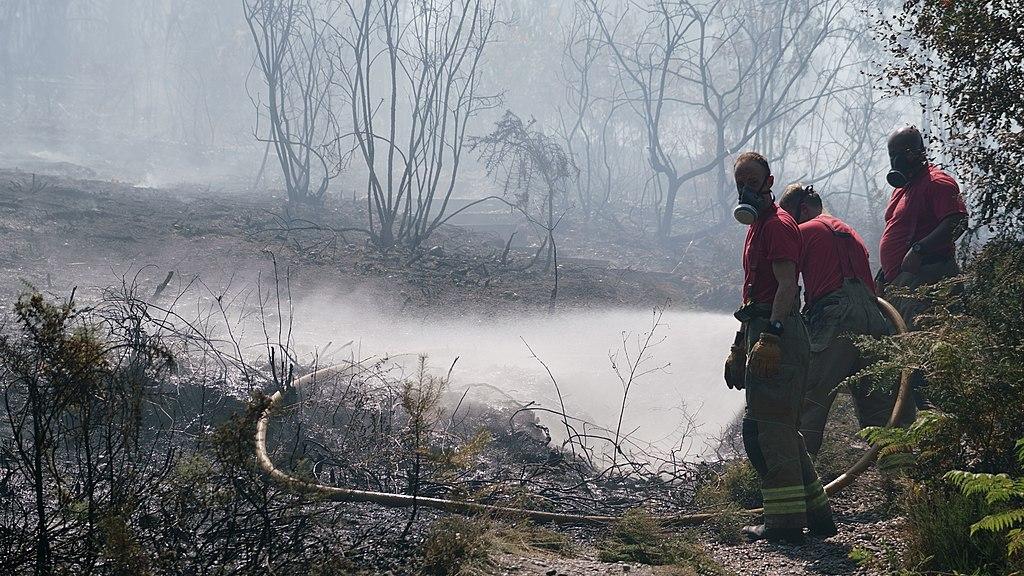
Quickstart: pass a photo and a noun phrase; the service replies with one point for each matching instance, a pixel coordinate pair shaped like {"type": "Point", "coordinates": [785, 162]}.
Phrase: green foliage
{"type": "Point", "coordinates": [893, 441]}
{"type": "Point", "coordinates": [456, 545]}
{"type": "Point", "coordinates": [861, 556]}
{"type": "Point", "coordinates": [460, 545]}
{"type": "Point", "coordinates": [527, 535]}
{"type": "Point", "coordinates": [232, 441]}
{"type": "Point", "coordinates": [969, 349]}
{"type": "Point", "coordinates": [122, 548]}
{"type": "Point", "coordinates": [738, 484]}
{"type": "Point", "coordinates": [997, 489]}
{"type": "Point", "coordinates": [464, 456]}
{"type": "Point", "coordinates": [640, 537]}
{"type": "Point", "coordinates": [736, 488]}
{"type": "Point", "coordinates": [60, 359]}
{"type": "Point", "coordinates": [938, 533]}
{"type": "Point", "coordinates": [75, 384]}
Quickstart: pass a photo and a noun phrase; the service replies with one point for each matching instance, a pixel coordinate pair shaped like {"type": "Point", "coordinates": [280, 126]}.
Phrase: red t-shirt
{"type": "Point", "coordinates": [914, 212]}
{"type": "Point", "coordinates": [773, 236]}
{"type": "Point", "coordinates": [827, 258]}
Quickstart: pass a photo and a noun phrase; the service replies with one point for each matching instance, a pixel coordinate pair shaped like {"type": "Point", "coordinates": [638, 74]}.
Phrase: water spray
{"type": "Point", "coordinates": [338, 494]}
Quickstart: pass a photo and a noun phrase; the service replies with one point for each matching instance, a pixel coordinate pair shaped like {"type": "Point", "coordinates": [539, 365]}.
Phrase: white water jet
{"type": "Point", "coordinates": [575, 345]}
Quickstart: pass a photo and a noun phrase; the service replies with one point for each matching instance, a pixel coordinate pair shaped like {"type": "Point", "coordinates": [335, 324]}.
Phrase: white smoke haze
{"type": "Point", "coordinates": [575, 345]}
{"type": "Point", "coordinates": [164, 92]}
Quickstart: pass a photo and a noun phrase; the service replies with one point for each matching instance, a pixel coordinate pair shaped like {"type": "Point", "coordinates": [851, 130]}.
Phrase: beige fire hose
{"type": "Point", "coordinates": [338, 494]}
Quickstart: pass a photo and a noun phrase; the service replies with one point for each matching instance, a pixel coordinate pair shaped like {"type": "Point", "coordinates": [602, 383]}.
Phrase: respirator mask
{"type": "Point", "coordinates": [750, 204]}
{"type": "Point", "coordinates": [903, 169]}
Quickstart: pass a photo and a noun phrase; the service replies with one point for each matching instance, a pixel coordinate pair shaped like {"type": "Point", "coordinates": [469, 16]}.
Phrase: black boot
{"type": "Point", "coordinates": [822, 529]}
{"type": "Point", "coordinates": [820, 522]}
{"type": "Point", "coordinates": [774, 535]}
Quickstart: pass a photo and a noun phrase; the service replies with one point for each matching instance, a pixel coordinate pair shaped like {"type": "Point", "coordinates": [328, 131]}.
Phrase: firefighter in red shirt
{"type": "Point", "coordinates": [925, 215]}
{"type": "Point", "coordinates": [775, 339]}
{"type": "Point", "coordinates": [839, 296]}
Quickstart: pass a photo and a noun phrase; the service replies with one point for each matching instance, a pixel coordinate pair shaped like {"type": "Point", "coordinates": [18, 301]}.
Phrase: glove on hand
{"type": "Point", "coordinates": [765, 356]}
{"type": "Point", "coordinates": [735, 366]}
{"type": "Point", "coordinates": [880, 281]}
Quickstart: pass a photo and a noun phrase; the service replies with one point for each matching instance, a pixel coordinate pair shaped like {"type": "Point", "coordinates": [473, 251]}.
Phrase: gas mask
{"type": "Point", "coordinates": [903, 169]}
{"type": "Point", "coordinates": [750, 204]}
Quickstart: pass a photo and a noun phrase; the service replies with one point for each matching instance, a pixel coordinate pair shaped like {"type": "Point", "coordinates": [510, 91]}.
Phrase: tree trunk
{"type": "Point", "coordinates": [665, 225]}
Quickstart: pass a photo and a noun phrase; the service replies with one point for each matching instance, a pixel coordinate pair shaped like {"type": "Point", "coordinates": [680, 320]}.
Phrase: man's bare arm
{"type": "Point", "coordinates": [948, 230]}
{"type": "Point", "coordinates": [785, 296]}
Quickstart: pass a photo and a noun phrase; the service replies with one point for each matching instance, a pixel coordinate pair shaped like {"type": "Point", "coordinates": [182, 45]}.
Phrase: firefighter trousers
{"type": "Point", "coordinates": [793, 494]}
{"type": "Point", "coordinates": [832, 322]}
{"type": "Point", "coordinates": [910, 307]}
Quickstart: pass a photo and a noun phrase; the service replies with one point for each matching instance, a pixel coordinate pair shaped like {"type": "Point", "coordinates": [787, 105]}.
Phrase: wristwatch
{"type": "Point", "coordinates": [775, 328]}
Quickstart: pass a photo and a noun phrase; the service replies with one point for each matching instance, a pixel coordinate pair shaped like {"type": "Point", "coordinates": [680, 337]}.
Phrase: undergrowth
{"type": "Point", "coordinates": [963, 501]}
{"type": "Point", "coordinates": [459, 545]}
{"type": "Point", "coordinates": [726, 495]}
{"type": "Point", "coordinates": [642, 538]}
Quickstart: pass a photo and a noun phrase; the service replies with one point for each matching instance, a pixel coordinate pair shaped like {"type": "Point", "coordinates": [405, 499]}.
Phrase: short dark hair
{"type": "Point", "coordinates": [798, 194]}
{"type": "Point", "coordinates": [751, 156]}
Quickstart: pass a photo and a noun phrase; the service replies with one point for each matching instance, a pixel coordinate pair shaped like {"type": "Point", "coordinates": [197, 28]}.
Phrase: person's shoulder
{"type": "Point", "coordinates": [939, 179]}
{"type": "Point", "coordinates": [780, 222]}
{"type": "Point", "coordinates": [781, 225]}
{"type": "Point", "coordinates": [779, 217]}
{"type": "Point", "coordinates": [814, 226]}
{"type": "Point", "coordinates": [836, 223]}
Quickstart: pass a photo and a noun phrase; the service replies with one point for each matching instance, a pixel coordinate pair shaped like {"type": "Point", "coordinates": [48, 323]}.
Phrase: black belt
{"type": "Point", "coordinates": [753, 310]}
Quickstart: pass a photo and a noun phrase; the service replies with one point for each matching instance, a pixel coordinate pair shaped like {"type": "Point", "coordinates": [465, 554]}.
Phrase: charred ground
{"type": "Point", "coordinates": [63, 233]}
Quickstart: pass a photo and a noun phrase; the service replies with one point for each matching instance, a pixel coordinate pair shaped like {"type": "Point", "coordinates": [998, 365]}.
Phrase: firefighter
{"type": "Point", "coordinates": [925, 215]}
{"type": "Point", "coordinates": [770, 360]}
{"type": "Point", "coordinates": [839, 297]}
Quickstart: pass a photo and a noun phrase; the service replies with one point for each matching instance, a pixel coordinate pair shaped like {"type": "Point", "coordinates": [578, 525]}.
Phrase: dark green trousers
{"type": "Point", "coordinates": [793, 495]}
{"type": "Point", "coordinates": [849, 311]}
{"type": "Point", "coordinates": [910, 308]}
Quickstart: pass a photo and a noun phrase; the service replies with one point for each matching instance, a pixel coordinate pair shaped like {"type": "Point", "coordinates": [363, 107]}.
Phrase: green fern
{"type": "Point", "coordinates": [1015, 541]}
{"type": "Point", "coordinates": [997, 489]}
{"type": "Point", "coordinates": [899, 440]}
{"type": "Point", "coordinates": [999, 522]}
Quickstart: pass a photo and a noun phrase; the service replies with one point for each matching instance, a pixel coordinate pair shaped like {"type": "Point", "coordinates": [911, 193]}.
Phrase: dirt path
{"type": "Point", "coordinates": [517, 565]}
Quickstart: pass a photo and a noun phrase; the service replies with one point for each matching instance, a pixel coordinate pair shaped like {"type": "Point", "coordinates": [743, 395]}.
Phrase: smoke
{"type": "Point", "coordinates": [576, 346]}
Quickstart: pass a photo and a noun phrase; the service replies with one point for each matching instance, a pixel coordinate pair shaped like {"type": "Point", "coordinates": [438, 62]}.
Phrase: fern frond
{"type": "Point", "coordinates": [878, 436]}
{"type": "Point", "coordinates": [999, 522]}
{"type": "Point", "coordinates": [927, 422]}
{"type": "Point", "coordinates": [995, 487]}
{"type": "Point", "coordinates": [889, 450]}
{"type": "Point", "coordinates": [1020, 451]}
{"type": "Point", "coordinates": [1015, 541]}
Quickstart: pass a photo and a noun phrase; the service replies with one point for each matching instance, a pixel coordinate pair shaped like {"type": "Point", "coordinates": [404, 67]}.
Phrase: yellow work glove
{"type": "Point", "coordinates": [765, 356]}
{"type": "Point", "coordinates": [736, 364]}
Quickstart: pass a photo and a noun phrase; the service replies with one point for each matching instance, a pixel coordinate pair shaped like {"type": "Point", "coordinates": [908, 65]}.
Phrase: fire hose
{"type": "Point", "coordinates": [338, 494]}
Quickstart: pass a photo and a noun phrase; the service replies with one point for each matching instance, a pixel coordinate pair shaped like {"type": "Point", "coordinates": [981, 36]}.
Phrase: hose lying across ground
{"type": "Point", "coordinates": [403, 500]}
